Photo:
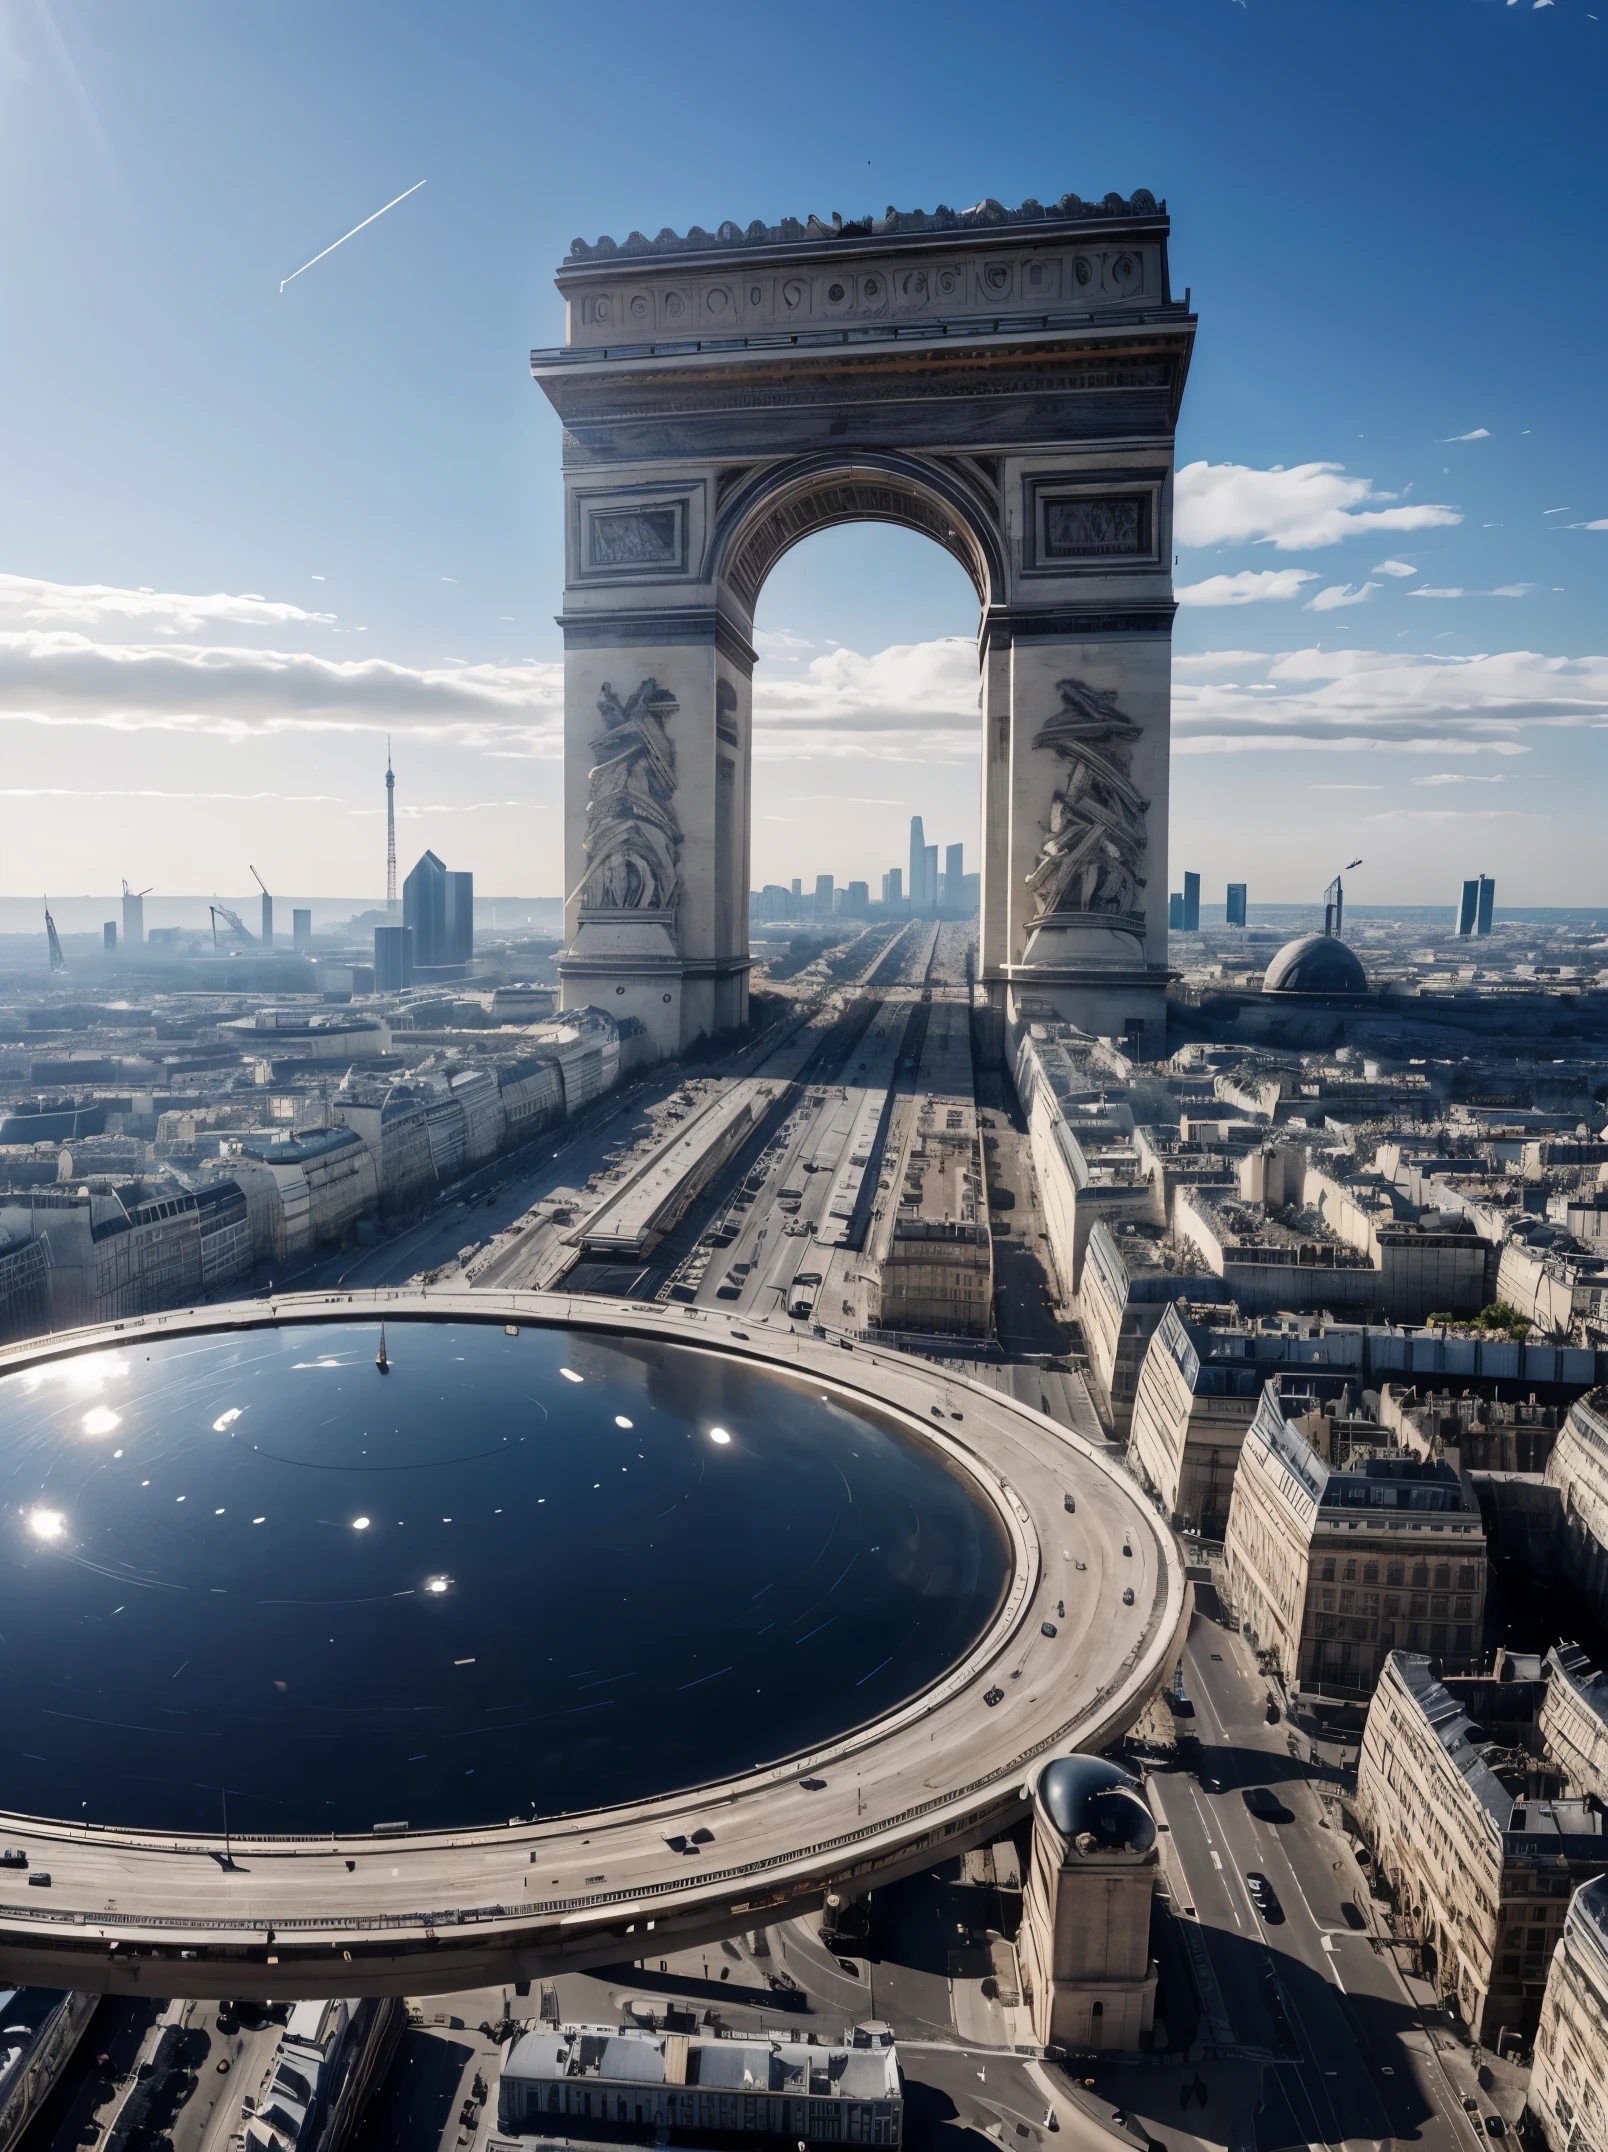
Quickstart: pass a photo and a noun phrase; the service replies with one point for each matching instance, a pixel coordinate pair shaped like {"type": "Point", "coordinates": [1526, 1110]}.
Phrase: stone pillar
{"type": "Point", "coordinates": [656, 818]}
{"type": "Point", "coordinates": [1085, 1947]}
{"type": "Point", "coordinates": [1084, 730]}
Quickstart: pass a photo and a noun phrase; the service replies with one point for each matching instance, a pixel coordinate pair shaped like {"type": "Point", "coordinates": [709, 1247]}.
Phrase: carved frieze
{"type": "Point", "coordinates": [634, 537]}
{"type": "Point", "coordinates": [633, 839]}
{"type": "Point", "coordinates": [1099, 524]}
{"type": "Point", "coordinates": [629, 534]}
{"type": "Point", "coordinates": [1094, 844]}
{"type": "Point", "coordinates": [646, 309]}
{"type": "Point", "coordinates": [1100, 521]}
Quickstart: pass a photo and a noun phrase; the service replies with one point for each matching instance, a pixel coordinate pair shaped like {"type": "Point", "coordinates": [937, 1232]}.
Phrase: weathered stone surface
{"type": "Point", "coordinates": [1005, 382]}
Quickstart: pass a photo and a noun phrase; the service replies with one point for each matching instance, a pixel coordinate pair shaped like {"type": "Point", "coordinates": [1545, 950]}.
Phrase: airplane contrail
{"type": "Point", "coordinates": [352, 234]}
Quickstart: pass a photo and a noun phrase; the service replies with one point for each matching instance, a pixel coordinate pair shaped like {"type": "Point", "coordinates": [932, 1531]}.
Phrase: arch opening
{"type": "Point", "coordinates": [865, 717]}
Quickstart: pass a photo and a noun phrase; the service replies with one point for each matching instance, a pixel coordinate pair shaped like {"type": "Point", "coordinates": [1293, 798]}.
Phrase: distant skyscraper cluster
{"type": "Point", "coordinates": [928, 889]}
{"type": "Point", "coordinates": [928, 893]}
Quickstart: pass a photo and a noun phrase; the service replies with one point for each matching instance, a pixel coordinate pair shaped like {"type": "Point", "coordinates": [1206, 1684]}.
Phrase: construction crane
{"type": "Point", "coordinates": [267, 910]}
{"type": "Point", "coordinates": [233, 921]}
{"type": "Point", "coordinates": [57, 961]}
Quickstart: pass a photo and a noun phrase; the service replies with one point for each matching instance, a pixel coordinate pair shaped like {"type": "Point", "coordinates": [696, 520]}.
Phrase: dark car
{"type": "Point", "coordinates": [1352, 1914]}
{"type": "Point", "coordinates": [1264, 1802]}
{"type": "Point", "coordinates": [1264, 1897]}
{"type": "Point", "coordinates": [1495, 2126]}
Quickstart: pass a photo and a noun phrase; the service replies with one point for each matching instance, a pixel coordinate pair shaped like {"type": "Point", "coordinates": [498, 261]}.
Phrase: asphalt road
{"type": "Point", "coordinates": [1347, 2056]}
{"type": "Point", "coordinates": [564, 1157]}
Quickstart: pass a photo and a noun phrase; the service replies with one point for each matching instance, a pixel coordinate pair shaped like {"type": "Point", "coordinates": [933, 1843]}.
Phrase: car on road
{"type": "Point", "coordinates": [1264, 1802]}
{"type": "Point", "coordinates": [1495, 2126]}
{"type": "Point", "coordinates": [1352, 1915]}
{"type": "Point", "coordinates": [1127, 1596]}
{"type": "Point", "coordinates": [1264, 1897]}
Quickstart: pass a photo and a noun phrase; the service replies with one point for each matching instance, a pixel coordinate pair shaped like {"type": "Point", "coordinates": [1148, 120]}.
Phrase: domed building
{"type": "Point", "coordinates": [1086, 1915]}
{"type": "Point", "coordinates": [1316, 964]}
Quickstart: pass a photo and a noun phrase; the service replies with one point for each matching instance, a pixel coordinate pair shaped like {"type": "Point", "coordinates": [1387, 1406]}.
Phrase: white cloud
{"type": "Point", "coordinates": [1457, 777]}
{"type": "Point", "coordinates": [88, 605]}
{"type": "Point", "coordinates": [1296, 509]}
{"type": "Point", "coordinates": [1337, 594]}
{"type": "Point", "coordinates": [1394, 567]}
{"type": "Point", "coordinates": [910, 701]}
{"type": "Point", "coordinates": [781, 643]}
{"type": "Point", "coordinates": [1369, 701]}
{"type": "Point", "coordinates": [1215, 660]}
{"type": "Point", "coordinates": [1480, 433]}
{"type": "Point", "coordinates": [1451, 814]}
{"type": "Point", "coordinates": [56, 677]}
{"type": "Point", "coordinates": [75, 792]}
{"type": "Point", "coordinates": [1361, 743]}
{"type": "Point", "coordinates": [1503, 590]}
{"type": "Point", "coordinates": [1247, 587]}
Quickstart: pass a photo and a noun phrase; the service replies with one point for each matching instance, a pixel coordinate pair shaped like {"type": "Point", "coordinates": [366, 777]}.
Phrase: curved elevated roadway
{"type": "Point", "coordinates": [140, 1913]}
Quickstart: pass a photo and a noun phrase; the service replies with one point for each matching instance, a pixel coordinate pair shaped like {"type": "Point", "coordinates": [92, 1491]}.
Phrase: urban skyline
{"type": "Point", "coordinates": [224, 726]}
{"type": "Point", "coordinates": [803, 1304]}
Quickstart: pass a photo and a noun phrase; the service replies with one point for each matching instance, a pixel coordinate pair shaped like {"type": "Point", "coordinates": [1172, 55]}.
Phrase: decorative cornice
{"type": "Point", "coordinates": [658, 627]}
{"type": "Point", "coordinates": [897, 223]}
{"type": "Point", "coordinates": [1061, 624]}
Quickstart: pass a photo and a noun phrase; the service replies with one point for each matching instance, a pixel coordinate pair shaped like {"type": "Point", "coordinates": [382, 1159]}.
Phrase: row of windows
{"type": "Point", "coordinates": [1396, 1573]}
{"type": "Point", "coordinates": [1422, 1604]}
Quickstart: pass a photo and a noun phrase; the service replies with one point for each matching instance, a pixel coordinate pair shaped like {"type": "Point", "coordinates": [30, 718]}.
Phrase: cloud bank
{"type": "Point", "coordinates": [31, 598]}
{"type": "Point", "coordinates": [908, 702]}
{"type": "Point", "coordinates": [1295, 510]}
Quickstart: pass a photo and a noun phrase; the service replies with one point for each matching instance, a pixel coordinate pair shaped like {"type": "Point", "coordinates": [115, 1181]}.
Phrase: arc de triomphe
{"type": "Point", "coordinates": [1008, 382]}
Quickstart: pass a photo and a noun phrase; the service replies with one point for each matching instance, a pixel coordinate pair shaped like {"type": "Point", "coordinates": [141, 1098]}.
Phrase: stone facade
{"type": "Point", "coordinates": [1574, 1720]}
{"type": "Point", "coordinates": [1482, 1875]}
{"type": "Point", "coordinates": [1122, 1295]}
{"type": "Point", "coordinates": [1569, 2084]}
{"type": "Point", "coordinates": [1332, 1567]}
{"type": "Point", "coordinates": [1007, 383]}
{"type": "Point", "coordinates": [1578, 1468]}
{"type": "Point", "coordinates": [1085, 1936]}
{"type": "Point", "coordinates": [1189, 1420]}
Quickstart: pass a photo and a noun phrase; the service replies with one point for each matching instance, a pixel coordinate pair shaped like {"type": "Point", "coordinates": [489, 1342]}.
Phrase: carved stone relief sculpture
{"type": "Point", "coordinates": [633, 840]}
{"type": "Point", "coordinates": [1093, 851]}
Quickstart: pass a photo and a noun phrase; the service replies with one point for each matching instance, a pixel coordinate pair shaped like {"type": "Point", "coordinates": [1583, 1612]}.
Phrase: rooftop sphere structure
{"type": "Point", "coordinates": [1087, 1796]}
{"type": "Point", "coordinates": [1315, 964]}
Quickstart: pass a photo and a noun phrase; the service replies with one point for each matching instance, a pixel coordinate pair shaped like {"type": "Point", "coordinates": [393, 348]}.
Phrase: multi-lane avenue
{"type": "Point", "coordinates": [1292, 1972]}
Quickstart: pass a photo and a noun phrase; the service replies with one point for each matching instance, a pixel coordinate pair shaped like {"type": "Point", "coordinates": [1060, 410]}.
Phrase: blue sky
{"type": "Point", "coordinates": [243, 533]}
